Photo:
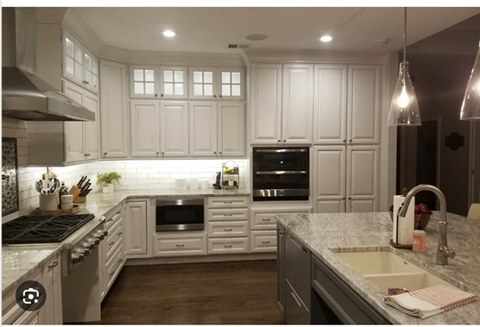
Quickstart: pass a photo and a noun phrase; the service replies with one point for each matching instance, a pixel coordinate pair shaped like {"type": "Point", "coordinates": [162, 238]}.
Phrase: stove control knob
{"type": "Point", "coordinates": [100, 234]}
{"type": "Point", "coordinates": [78, 256]}
{"type": "Point", "coordinates": [89, 244]}
{"type": "Point", "coordinates": [84, 250]}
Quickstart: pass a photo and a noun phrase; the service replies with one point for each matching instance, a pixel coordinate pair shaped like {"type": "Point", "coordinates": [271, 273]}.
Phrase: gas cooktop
{"type": "Point", "coordinates": [42, 229]}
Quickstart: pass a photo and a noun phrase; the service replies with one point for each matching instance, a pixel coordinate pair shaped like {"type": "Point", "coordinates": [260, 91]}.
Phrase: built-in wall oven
{"type": "Point", "coordinates": [179, 214]}
{"type": "Point", "coordinates": [281, 173]}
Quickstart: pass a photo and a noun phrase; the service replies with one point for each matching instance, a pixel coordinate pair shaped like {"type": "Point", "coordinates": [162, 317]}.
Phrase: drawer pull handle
{"type": "Point", "coordinates": [109, 220]}
{"type": "Point", "coordinates": [120, 260]}
{"type": "Point", "coordinates": [228, 215]}
{"type": "Point", "coordinates": [111, 274]}
{"type": "Point", "coordinates": [266, 242]}
{"type": "Point", "coordinates": [296, 299]}
{"type": "Point", "coordinates": [265, 219]}
{"type": "Point", "coordinates": [180, 245]}
{"type": "Point", "coordinates": [54, 264]}
{"type": "Point", "coordinates": [119, 233]}
{"type": "Point", "coordinates": [227, 229]}
{"type": "Point", "coordinates": [111, 243]}
{"type": "Point", "coordinates": [227, 246]}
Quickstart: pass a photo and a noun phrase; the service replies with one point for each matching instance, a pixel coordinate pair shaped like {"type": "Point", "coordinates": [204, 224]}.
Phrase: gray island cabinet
{"type": "Point", "coordinates": [315, 286]}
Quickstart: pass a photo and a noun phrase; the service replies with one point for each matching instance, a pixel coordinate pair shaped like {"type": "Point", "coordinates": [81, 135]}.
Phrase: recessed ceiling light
{"type": "Point", "coordinates": [169, 33]}
{"type": "Point", "coordinates": [326, 38]}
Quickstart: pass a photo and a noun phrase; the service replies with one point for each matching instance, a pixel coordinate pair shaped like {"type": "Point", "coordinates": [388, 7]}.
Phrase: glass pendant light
{"type": "Point", "coordinates": [404, 107]}
{"type": "Point", "coordinates": [471, 101]}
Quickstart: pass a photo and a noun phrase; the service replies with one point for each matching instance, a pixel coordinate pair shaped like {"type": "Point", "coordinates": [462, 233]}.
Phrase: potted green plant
{"type": "Point", "coordinates": [106, 181]}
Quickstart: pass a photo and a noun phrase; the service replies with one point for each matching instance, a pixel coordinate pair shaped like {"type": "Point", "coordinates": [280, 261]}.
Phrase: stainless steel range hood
{"type": "Point", "coordinates": [24, 95]}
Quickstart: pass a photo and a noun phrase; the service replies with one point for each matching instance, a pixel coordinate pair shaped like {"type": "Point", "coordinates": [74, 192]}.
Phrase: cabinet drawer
{"type": "Point", "coordinates": [227, 201]}
{"type": "Point", "coordinates": [114, 238]}
{"type": "Point", "coordinates": [263, 241]}
{"type": "Point", "coordinates": [114, 265]}
{"type": "Point", "coordinates": [228, 245]}
{"type": "Point", "coordinates": [11, 311]}
{"type": "Point", "coordinates": [180, 246]}
{"type": "Point", "coordinates": [263, 220]}
{"type": "Point", "coordinates": [228, 214]}
{"type": "Point", "coordinates": [227, 228]}
{"type": "Point", "coordinates": [112, 219]}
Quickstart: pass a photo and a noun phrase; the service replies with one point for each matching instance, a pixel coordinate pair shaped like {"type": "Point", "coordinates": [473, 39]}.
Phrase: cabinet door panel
{"type": "Point", "coordinates": [231, 141]}
{"type": "Point", "coordinates": [297, 103]}
{"type": "Point", "coordinates": [330, 171]}
{"type": "Point", "coordinates": [362, 205]}
{"type": "Point", "coordinates": [203, 129]}
{"type": "Point", "coordinates": [74, 130]}
{"type": "Point", "coordinates": [363, 171]}
{"type": "Point", "coordinates": [113, 90]}
{"type": "Point", "coordinates": [136, 228]}
{"type": "Point", "coordinates": [145, 120]}
{"type": "Point", "coordinates": [265, 116]}
{"type": "Point", "coordinates": [330, 105]}
{"type": "Point", "coordinates": [330, 205]}
{"type": "Point", "coordinates": [174, 128]}
{"type": "Point", "coordinates": [92, 131]}
{"type": "Point", "coordinates": [363, 103]}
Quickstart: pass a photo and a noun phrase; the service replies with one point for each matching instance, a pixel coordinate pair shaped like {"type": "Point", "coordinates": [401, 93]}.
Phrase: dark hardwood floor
{"type": "Point", "coordinates": [197, 293]}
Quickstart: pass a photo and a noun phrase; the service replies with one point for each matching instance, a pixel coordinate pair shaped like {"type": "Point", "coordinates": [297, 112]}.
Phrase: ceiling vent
{"type": "Point", "coordinates": [237, 46]}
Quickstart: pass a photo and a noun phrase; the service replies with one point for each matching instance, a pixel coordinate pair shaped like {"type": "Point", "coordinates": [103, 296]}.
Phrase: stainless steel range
{"type": "Point", "coordinates": [80, 235]}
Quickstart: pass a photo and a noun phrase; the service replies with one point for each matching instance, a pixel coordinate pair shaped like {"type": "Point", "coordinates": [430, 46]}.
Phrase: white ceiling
{"type": "Point", "coordinates": [212, 29]}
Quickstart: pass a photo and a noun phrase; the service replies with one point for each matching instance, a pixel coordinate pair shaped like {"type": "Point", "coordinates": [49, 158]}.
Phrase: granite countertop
{"type": "Point", "coordinates": [325, 234]}
{"type": "Point", "coordinates": [18, 262]}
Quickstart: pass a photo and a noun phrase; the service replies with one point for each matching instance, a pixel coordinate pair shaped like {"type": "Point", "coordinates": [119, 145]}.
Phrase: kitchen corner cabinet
{"type": "Point", "coordinates": [136, 229]}
{"type": "Point", "coordinates": [82, 138]}
{"type": "Point", "coordinates": [113, 109]}
{"type": "Point", "coordinates": [216, 83]}
{"type": "Point", "coordinates": [79, 65]}
{"type": "Point", "coordinates": [346, 179]}
{"type": "Point", "coordinates": [281, 103]}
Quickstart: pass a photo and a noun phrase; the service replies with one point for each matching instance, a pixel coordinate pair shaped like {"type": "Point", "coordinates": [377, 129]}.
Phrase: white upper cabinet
{"type": "Point", "coordinates": [203, 128]}
{"type": "Point", "coordinates": [82, 138]}
{"type": "Point", "coordinates": [113, 109]}
{"type": "Point", "coordinates": [174, 128]}
{"type": "Point", "coordinates": [231, 128]}
{"type": "Point", "coordinates": [143, 82]}
{"type": "Point", "coordinates": [265, 103]}
{"type": "Point", "coordinates": [173, 82]}
{"type": "Point", "coordinates": [281, 114]}
{"type": "Point", "coordinates": [145, 128]}
{"type": "Point", "coordinates": [216, 83]}
{"type": "Point", "coordinates": [363, 104]}
{"type": "Point", "coordinates": [79, 64]}
{"type": "Point", "coordinates": [297, 103]}
{"type": "Point", "coordinates": [330, 104]}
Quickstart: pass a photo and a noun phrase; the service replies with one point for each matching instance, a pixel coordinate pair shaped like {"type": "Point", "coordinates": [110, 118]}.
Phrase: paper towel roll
{"type": "Point", "coordinates": [403, 226]}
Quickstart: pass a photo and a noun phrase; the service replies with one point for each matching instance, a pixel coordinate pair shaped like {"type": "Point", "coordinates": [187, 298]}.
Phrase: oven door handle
{"type": "Point", "coordinates": [282, 172]}
{"type": "Point", "coordinates": [280, 150]}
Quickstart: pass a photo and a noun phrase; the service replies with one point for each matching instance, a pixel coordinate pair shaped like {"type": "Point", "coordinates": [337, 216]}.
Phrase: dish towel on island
{"type": "Point", "coordinates": [426, 302]}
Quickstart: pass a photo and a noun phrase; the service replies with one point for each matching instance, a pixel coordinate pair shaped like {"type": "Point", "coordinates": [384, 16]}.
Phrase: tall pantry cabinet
{"type": "Point", "coordinates": [346, 125]}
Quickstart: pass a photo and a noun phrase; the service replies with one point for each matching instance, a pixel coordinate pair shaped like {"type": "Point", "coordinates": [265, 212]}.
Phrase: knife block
{"type": "Point", "coordinates": [74, 190]}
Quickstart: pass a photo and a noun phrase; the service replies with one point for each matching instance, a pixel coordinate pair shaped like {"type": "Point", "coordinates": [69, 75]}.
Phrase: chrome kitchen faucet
{"type": "Point", "coordinates": [443, 252]}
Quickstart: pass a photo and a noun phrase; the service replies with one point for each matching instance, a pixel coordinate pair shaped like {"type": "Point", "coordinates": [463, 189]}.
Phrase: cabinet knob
{"type": "Point", "coordinates": [161, 95]}
{"type": "Point", "coordinates": [220, 96]}
{"type": "Point", "coordinates": [350, 141]}
{"type": "Point", "coordinates": [87, 83]}
{"type": "Point", "coordinates": [163, 153]}
{"type": "Point", "coordinates": [344, 141]}
{"type": "Point", "coordinates": [215, 152]}
{"type": "Point", "coordinates": [220, 153]}
{"type": "Point", "coordinates": [284, 141]}
{"type": "Point", "coordinates": [105, 153]}
{"type": "Point", "coordinates": [156, 95]}
{"type": "Point", "coordinates": [349, 197]}
{"type": "Point", "coordinates": [279, 141]}
{"type": "Point", "coordinates": [215, 96]}
{"type": "Point", "coordinates": [157, 153]}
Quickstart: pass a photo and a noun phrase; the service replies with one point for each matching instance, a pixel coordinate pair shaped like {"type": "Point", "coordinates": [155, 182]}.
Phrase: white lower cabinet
{"type": "Point", "coordinates": [136, 229]}
{"type": "Point", "coordinates": [263, 226]}
{"type": "Point", "coordinates": [112, 251]}
{"type": "Point", "coordinates": [228, 225]}
{"type": "Point", "coordinates": [168, 244]}
{"type": "Point", "coordinates": [50, 276]}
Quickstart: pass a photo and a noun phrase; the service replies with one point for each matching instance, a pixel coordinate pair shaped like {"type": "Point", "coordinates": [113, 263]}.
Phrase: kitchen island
{"type": "Point", "coordinates": [326, 234]}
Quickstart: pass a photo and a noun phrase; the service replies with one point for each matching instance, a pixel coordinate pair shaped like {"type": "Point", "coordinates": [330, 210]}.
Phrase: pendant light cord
{"type": "Point", "coordinates": [405, 35]}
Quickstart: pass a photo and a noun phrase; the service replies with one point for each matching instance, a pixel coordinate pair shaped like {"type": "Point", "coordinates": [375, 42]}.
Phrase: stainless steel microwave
{"type": "Point", "coordinates": [281, 173]}
{"type": "Point", "coordinates": [179, 214]}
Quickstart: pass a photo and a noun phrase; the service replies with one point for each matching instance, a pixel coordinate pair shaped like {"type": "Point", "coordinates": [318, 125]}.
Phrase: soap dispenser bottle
{"type": "Point", "coordinates": [419, 238]}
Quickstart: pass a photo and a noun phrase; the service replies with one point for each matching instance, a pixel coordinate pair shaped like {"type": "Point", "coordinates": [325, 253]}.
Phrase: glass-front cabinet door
{"type": "Point", "coordinates": [142, 82]}
{"type": "Point", "coordinates": [173, 82]}
{"type": "Point", "coordinates": [216, 83]}
{"type": "Point", "coordinates": [79, 65]}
